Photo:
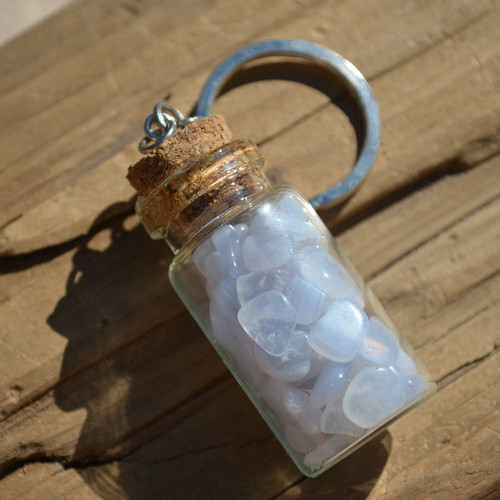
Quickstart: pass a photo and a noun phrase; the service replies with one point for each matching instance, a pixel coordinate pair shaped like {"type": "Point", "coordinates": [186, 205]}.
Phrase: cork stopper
{"type": "Point", "coordinates": [200, 137]}
{"type": "Point", "coordinates": [194, 177]}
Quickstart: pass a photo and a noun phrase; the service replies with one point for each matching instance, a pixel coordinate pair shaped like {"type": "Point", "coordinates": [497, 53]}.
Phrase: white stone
{"type": "Point", "coordinates": [299, 256]}
{"type": "Point", "coordinates": [337, 335]}
{"type": "Point", "coordinates": [288, 218]}
{"type": "Point", "coordinates": [329, 383]}
{"type": "Point", "coordinates": [317, 364]}
{"type": "Point", "coordinates": [269, 319]}
{"type": "Point", "coordinates": [293, 365]}
{"type": "Point", "coordinates": [214, 268]}
{"type": "Point", "coordinates": [291, 206]}
{"type": "Point", "coordinates": [230, 335]}
{"type": "Point", "coordinates": [241, 229]}
{"type": "Point", "coordinates": [415, 386]}
{"type": "Point", "coordinates": [291, 406]}
{"type": "Point", "coordinates": [223, 310]}
{"type": "Point", "coordinates": [201, 252]}
{"type": "Point", "coordinates": [321, 270]}
{"type": "Point", "coordinates": [334, 421]}
{"type": "Point", "coordinates": [405, 364]}
{"type": "Point", "coordinates": [379, 344]}
{"type": "Point", "coordinates": [307, 300]}
{"type": "Point", "coordinates": [228, 243]}
{"type": "Point", "coordinates": [373, 395]}
{"type": "Point", "coordinates": [266, 249]}
{"type": "Point", "coordinates": [248, 286]}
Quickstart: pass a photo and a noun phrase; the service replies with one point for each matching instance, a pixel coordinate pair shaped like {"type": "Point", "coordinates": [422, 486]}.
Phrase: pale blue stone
{"type": "Point", "coordinates": [291, 405]}
{"type": "Point", "coordinates": [379, 344]}
{"type": "Point", "coordinates": [307, 300]}
{"type": "Point", "coordinates": [201, 253]}
{"type": "Point", "coordinates": [228, 243]}
{"type": "Point", "coordinates": [266, 249]}
{"type": "Point", "coordinates": [291, 206]}
{"type": "Point", "coordinates": [334, 421]}
{"type": "Point", "coordinates": [223, 312]}
{"type": "Point", "coordinates": [321, 270]}
{"type": "Point", "coordinates": [214, 268]}
{"type": "Point", "coordinates": [415, 386]}
{"type": "Point", "coordinates": [300, 256]}
{"type": "Point", "coordinates": [373, 396]}
{"type": "Point", "coordinates": [241, 229]}
{"type": "Point", "coordinates": [252, 284]}
{"type": "Point", "coordinates": [293, 365]}
{"type": "Point", "coordinates": [329, 383]}
{"type": "Point", "coordinates": [288, 218]}
{"type": "Point", "coordinates": [337, 335]}
{"type": "Point", "coordinates": [226, 329]}
{"type": "Point", "coordinates": [269, 319]}
{"type": "Point", "coordinates": [405, 363]}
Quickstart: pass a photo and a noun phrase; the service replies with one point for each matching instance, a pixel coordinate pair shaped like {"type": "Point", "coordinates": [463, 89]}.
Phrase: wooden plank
{"type": "Point", "coordinates": [89, 306]}
{"type": "Point", "coordinates": [242, 114]}
{"type": "Point", "coordinates": [95, 344]}
{"type": "Point", "coordinates": [435, 208]}
{"type": "Point", "coordinates": [434, 452]}
{"type": "Point", "coordinates": [443, 270]}
{"type": "Point", "coordinates": [35, 481]}
{"type": "Point", "coordinates": [118, 385]}
{"type": "Point", "coordinates": [417, 458]}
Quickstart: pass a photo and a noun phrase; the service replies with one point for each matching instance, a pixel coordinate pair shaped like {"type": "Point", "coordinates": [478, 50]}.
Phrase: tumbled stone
{"type": "Point", "coordinates": [373, 395]}
{"type": "Point", "coordinates": [321, 270]}
{"type": "Point", "coordinates": [405, 363]}
{"type": "Point", "coordinates": [228, 243]}
{"type": "Point", "coordinates": [293, 365]}
{"type": "Point", "coordinates": [415, 386]}
{"type": "Point", "coordinates": [214, 268]}
{"type": "Point", "coordinates": [291, 405]}
{"type": "Point", "coordinates": [269, 319]}
{"type": "Point", "coordinates": [334, 421]}
{"type": "Point", "coordinates": [223, 310]}
{"type": "Point", "coordinates": [266, 249]}
{"type": "Point", "coordinates": [337, 335]}
{"type": "Point", "coordinates": [379, 344]}
{"type": "Point", "coordinates": [289, 204]}
{"type": "Point", "coordinates": [307, 300]}
{"type": "Point", "coordinates": [329, 383]}
{"type": "Point", "coordinates": [201, 252]}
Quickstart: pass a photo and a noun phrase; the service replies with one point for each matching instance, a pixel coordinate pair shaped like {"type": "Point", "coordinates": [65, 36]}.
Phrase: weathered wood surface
{"type": "Point", "coordinates": [107, 387]}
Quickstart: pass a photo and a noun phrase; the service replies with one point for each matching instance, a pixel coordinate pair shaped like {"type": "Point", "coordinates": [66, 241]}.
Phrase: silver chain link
{"type": "Point", "coordinates": [162, 124]}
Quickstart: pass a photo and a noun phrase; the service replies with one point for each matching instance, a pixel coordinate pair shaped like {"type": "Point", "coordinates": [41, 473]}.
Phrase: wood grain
{"type": "Point", "coordinates": [96, 400]}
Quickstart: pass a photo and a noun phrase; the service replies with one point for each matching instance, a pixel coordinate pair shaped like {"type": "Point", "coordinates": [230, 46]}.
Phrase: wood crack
{"type": "Point", "coordinates": [463, 369]}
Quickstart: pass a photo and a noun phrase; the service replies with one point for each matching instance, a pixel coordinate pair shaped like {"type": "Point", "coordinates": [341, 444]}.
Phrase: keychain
{"type": "Point", "coordinates": [266, 281]}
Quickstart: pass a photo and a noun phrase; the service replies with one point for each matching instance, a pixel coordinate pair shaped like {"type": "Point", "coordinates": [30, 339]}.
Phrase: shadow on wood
{"type": "Point", "coordinates": [163, 414]}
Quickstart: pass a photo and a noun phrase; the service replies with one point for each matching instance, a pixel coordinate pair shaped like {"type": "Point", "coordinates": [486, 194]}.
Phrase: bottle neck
{"type": "Point", "coordinates": [203, 189]}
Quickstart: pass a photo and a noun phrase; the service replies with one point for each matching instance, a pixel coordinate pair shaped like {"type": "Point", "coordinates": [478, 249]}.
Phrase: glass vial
{"type": "Point", "coordinates": [293, 321]}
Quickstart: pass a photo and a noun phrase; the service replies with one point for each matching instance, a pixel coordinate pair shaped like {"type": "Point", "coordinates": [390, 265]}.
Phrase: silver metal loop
{"type": "Point", "coordinates": [162, 124]}
{"type": "Point", "coordinates": [353, 80]}
{"type": "Point", "coordinates": [164, 130]}
{"type": "Point", "coordinates": [163, 110]}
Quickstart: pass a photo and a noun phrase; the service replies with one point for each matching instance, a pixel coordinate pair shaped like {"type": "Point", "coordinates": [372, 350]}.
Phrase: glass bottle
{"type": "Point", "coordinates": [267, 283]}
